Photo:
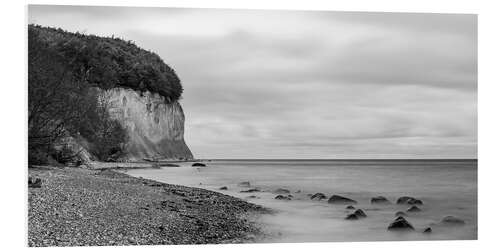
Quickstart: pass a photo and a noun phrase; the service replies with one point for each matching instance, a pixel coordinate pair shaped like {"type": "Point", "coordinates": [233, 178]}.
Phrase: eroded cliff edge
{"type": "Point", "coordinates": [142, 92]}
{"type": "Point", "coordinates": [155, 128]}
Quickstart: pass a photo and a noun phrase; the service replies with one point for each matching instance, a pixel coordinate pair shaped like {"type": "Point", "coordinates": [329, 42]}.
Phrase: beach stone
{"type": "Point", "coordinates": [415, 202]}
{"type": "Point", "coordinates": [400, 223]}
{"type": "Point", "coordinates": [223, 188]}
{"type": "Point", "coordinates": [414, 209]}
{"type": "Point", "coordinates": [197, 164]}
{"type": "Point", "coordinates": [281, 197]}
{"type": "Point", "coordinates": [34, 182]}
{"type": "Point", "coordinates": [452, 220]}
{"type": "Point", "coordinates": [409, 200]}
{"type": "Point", "coordinates": [318, 196]}
{"type": "Point", "coordinates": [352, 217]}
{"type": "Point", "coordinates": [252, 197]}
{"type": "Point", "coordinates": [379, 200]}
{"type": "Point", "coordinates": [400, 213]}
{"type": "Point", "coordinates": [169, 165]}
{"type": "Point", "coordinates": [281, 191]}
{"type": "Point", "coordinates": [427, 230]}
{"type": "Point", "coordinates": [244, 184]}
{"type": "Point", "coordinates": [251, 190]}
{"type": "Point", "coordinates": [350, 207]}
{"type": "Point", "coordinates": [360, 213]}
{"type": "Point", "coordinates": [337, 199]}
{"type": "Point", "coordinates": [403, 199]}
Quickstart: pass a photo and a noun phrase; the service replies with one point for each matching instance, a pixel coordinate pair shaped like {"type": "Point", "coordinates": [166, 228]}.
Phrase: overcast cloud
{"type": "Point", "coordinates": [297, 84]}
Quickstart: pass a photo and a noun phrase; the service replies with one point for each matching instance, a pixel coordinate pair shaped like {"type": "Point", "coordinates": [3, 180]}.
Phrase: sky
{"type": "Point", "coordinates": [307, 84]}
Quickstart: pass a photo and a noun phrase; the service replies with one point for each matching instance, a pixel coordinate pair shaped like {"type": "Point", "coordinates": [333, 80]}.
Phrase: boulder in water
{"type": "Point", "coordinates": [318, 196]}
{"type": "Point", "coordinates": [251, 190]}
{"type": "Point", "coordinates": [400, 213]}
{"type": "Point", "coordinates": [414, 209]}
{"type": "Point", "coordinates": [360, 213]}
{"type": "Point", "coordinates": [244, 184]}
{"type": "Point", "coordinates": [350, 207]}
{"type": "Point", "coordinates": [380, 200]}
{"type": "Point", "coordinates": [197, 164]}
{"type": "Point", "coordinates": [170, 165]}
{"type": "Point", "coordinates": [427, 230]}
{"type": "Point", "coordinates": [452, 221]}
{"type": "Point", "coordinates": [223, 188]}
{"type": "Point", "coordinates": [400, 223]}
{"type": "Point", "coordinates": [282, 197]}
{"type": "Point", "coordinates": [351, 217]}
{"type": "Point", "coordinates": [337, 199]}
{"type": "Point", "coordinates": [403, 199]}
{"type": "Point", "coordinates": [281, 191]}
{"type": "Point", "coordinates": [415, 202]}
{"type": "Point", "coordinates": [409, 200]}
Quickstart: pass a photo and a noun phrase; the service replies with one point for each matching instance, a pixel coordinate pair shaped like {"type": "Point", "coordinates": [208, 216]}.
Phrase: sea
{"type": "Point", "coordinates": [446, 187]}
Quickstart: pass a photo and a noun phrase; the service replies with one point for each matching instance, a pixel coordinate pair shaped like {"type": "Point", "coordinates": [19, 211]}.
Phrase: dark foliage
{"type": "Point", "coordinates": [37, 157]}
{"type": "Point", "coordinates": [56, 98]}
{"type": "Point", "coordinates": [107, 136]}
{"type": "Point", "coordinates": [112, 62]}
{"type": "Point", "coordinates": [62, 103]}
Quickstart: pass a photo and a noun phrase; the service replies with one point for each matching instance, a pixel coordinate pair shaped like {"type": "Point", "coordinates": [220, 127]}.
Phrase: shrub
{"type": "Point", "coordinates": [37, 157]}
{"type": "Point", "coordinates": [112, 62]}
{"type": "Point", "coordinates": [62, 103]}
{"type": "Point", "coordinates": [106, 136]}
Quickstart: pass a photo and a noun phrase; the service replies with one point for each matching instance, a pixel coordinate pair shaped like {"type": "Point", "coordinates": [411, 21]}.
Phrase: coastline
{"type": "Point", "coordinates": [83, 207]}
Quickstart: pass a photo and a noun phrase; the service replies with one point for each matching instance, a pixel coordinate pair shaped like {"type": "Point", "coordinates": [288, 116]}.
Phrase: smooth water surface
{"type": "Point", "coordinates": [447, 187]}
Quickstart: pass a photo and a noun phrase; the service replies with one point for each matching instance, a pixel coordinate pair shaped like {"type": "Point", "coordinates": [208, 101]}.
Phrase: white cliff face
{"type": "Point", "coordinates": [155, 128]}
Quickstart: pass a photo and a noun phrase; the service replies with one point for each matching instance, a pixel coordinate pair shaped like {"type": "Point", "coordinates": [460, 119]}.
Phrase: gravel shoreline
{"type": "Point", "coordinates": [81, 207]}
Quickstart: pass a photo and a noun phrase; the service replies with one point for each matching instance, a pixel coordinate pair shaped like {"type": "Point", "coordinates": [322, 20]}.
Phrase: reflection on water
{"type": "Point", "coordinates": [447, 187]}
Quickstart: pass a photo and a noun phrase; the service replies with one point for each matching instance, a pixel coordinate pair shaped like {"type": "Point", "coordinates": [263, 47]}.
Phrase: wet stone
{"type": "Point", "coordinates": [360, 213]}
{"type": "Point", "coordinates": [414, 209]}
{"type": "Point", "coordinates": [282, 197]}
{"type": "Point", "coordinates": [318, 196]}
{"type": "Point", "coordinates": [452, 220]}
{"type": "Point", "coordinates": [379, 200]}
{"type": "Point", "coordinates": [400, 223]}
{"type": "Point", "coordinates": [351, 217]}
{"type": "Point", "coordinates": [197, 164]}
{"type": "Point", "coordinates": [400, 213]}
{"type": "Point", "coordinates": [251, 190]}
{"type": "Point", "coordinates": [337, 199]}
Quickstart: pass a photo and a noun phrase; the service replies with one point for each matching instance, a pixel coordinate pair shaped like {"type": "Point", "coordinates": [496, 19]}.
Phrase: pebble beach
{"type": "Point", "coordinates": [82, 207]}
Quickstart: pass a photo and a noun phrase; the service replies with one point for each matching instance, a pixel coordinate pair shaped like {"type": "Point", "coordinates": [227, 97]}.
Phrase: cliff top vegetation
{"type": "Point", "coordinates": [109, 62]}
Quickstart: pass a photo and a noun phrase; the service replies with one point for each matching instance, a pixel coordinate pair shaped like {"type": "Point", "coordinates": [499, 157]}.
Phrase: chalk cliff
{"type": "Point", "coordinates": [155, 128]}
{"type": "Point", "coordinates": [142, 92]}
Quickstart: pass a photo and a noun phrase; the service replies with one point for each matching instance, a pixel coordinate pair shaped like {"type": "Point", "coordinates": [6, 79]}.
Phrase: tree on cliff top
{"type": "Point", "coordinates": [62, 103]}
{"type": "Point", "coordinates": [112, 62]}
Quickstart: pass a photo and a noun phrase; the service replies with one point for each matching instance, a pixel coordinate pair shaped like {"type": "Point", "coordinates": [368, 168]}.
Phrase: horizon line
{"type": "Point", "coordinates": [336, 159]}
